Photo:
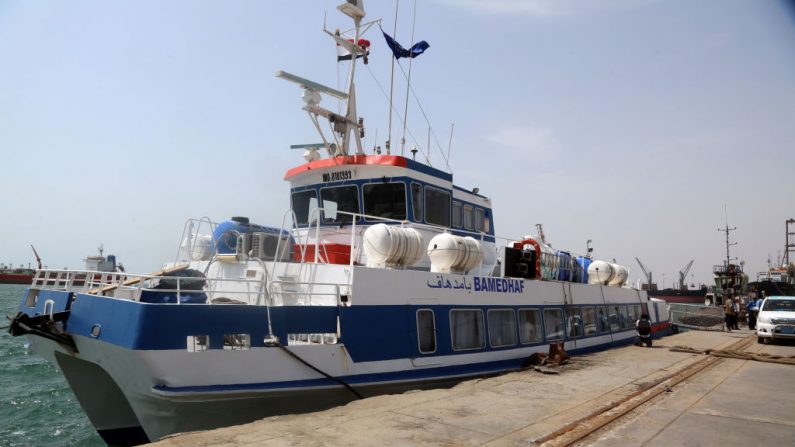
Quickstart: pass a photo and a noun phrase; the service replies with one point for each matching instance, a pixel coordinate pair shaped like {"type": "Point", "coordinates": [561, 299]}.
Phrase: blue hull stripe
{"type": "Point", "coordinates": [417, 375]}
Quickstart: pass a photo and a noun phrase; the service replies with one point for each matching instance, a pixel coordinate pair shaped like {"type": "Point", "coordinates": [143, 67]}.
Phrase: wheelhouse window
{"type": "Point", "coordinates": [589, 321]}
{"type": "Point", "coordinates": [416, 201]}
{"type": "Point", "coordinates": [478, 219]}
{"type": "Point", "coordinates": [530, 326]}
{"type": "Point", "coordinates": [385, 200]}
{"type": "Point", "coordinates": [339, 198]}
{"type": "Point", "coordinates": [426, 331]}
{"type": "Point", "coordinates": [437, 207]}
{"type": "Point", "coordinates": [468, 217]}
{"type": "Point", "coordinates": [457, 214]}
{"type": "Point", "coordinates": [304, 205]}
{"type": "Point", "coordinates": [553, 322]}
{"type": "Point", "coordinates": [502, 328]}
{"type": "Point", "coordinates": [466, 328]}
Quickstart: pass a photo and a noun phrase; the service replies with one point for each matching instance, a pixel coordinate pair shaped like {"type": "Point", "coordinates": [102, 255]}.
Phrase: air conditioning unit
{"type": "Point", "coordinates": [264, 246]}
{"type": "Point", "coordinates": [243, 245]}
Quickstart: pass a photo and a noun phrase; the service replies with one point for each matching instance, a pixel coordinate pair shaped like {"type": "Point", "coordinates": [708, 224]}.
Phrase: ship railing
{"type": "Point", "coordinates": [287, 292]}
{"type": "Point", "coordinates": [311, 234]}
{"type": "Point", "coordinates": [159, 289]}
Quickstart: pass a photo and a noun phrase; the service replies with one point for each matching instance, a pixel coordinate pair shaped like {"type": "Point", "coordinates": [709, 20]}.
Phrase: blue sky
{"type": "Point", "coordinates": [631, 123]}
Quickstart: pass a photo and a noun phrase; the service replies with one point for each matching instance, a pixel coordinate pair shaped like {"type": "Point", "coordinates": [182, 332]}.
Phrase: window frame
{"type": "Point", "coordinates": [309, 209]}
{"type": "Point", "coordinates": [569, 313]}
{"type": "Point", "coordinates": [471, 213]}
{"type": "Point", "coordinates": [562, 319]}
{"type": "Point", "coordinates": [540, 319]}
{"type": "Point", "coordinates": [375, 184]}
{"type": "Point", "coordinates": [595, 321]}
{"type": "Point", "coordinates": [418, 217]}
{"type": "Point", "coordinates": [458, 214]}
{"type": "Point", "coordinates": [488, 321]}
{"type": "Point", "coordinates": [449, 208]}
{"type": "Point", "coordinates": [625, 312]}
{"type": "Point", "coordinates": [335, 221]}
{"type": "Point", "coordinates": [478, 221]}
{"type": "Point", "coordinates": [419, 340]}
{"type": "Point", "coordinates": [482, 329]}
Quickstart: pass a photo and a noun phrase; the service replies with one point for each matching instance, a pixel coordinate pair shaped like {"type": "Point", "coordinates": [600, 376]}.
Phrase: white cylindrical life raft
{"type": "Point", "coordinates": [392, 246]}
{"type": "Point", "coordinates": [454, 254]}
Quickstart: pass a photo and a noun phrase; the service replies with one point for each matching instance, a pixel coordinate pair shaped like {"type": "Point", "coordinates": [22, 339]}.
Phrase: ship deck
{"type": "Point", "coordinates": [623, 397]}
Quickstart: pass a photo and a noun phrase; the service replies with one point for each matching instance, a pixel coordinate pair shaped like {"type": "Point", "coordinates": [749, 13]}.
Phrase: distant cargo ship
{"type": "Point", "coordinates": [9, 275]}
{"type": "Point", "coordinates": [690, 296]}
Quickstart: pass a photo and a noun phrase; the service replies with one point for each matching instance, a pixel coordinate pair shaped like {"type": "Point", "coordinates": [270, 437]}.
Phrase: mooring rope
{"type": "Point", "coordinates": [336, 379]}
{"type": "Point", "coordinates": [739, 355]}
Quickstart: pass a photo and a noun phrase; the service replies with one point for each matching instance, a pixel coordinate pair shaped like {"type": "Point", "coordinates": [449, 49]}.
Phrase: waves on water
{"type": "Point", "coordinates": [37, 408]}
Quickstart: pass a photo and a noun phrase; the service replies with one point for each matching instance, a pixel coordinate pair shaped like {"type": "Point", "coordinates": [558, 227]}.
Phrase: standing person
{"type": "Point", "coordinates": [736, 309]}
{"type": "Point", "coordinates": [643, 328]}
{"type": "Point", "coordinates": [728, 309]}
{"type": "Point", "coordinates": [753, 311]}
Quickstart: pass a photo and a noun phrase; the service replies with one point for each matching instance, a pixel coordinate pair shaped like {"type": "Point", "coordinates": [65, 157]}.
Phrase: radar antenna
{"type": "Point", "coordinates": [342, 126]}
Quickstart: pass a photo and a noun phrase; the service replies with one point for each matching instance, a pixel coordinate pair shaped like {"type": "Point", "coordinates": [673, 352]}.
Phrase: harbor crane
{"type": "Point", "coordinates": [38, 259]}
{"type": "Point", "coordinates": [683, 275]}
{"type": "Point", "coordinates": [540, 229]}
{"type": "Point", "coordinates": [649, 284]}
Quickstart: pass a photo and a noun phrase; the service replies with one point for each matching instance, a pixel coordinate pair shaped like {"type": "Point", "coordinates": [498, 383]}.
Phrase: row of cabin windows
{"type": "Point", "coordinates": [387, 200]}
{"type": "Point", "coordinates": [467, 330]}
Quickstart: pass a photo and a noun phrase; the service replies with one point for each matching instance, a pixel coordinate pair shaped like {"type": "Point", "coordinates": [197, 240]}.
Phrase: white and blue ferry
{"type": "Point", "coordinates": [384, 276]}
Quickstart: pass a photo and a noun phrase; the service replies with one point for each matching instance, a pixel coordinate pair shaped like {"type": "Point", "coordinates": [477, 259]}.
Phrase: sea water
{"type": "Point", "coordinates": [37, 408]}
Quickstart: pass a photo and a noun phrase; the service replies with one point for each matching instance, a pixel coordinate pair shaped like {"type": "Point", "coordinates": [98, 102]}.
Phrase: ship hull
{"type": "Point", "coordinates": [13, 278]}
{"type": "Point", "coordinates": [136, 372]}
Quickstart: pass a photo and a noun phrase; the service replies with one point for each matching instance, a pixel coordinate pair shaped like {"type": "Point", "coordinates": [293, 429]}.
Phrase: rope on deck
{"type": "Point", "coordinates": [737, 354]}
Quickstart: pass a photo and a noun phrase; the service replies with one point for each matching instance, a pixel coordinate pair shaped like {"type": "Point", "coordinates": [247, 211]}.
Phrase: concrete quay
{"type": "Point", "coordinates": [728, 402]}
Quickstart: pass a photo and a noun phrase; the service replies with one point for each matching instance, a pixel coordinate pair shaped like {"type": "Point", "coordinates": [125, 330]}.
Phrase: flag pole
{"type": "Point", "coordinates": [392, 86]}
{"type": "Point", "coordinates": [408, 85]}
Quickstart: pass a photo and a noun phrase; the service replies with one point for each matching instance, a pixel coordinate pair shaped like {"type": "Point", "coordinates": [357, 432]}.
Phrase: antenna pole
{"type": "Point", "coordinates": [727, 230]}
{"type": "Point", "coordinates": [450, 145]}
{"type": "Point", "coordinates": [392, 85]}
{"type": "Point", "coordinates": [408, 86]}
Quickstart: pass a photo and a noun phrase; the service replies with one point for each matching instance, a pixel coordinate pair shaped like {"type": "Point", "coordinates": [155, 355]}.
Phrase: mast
{"type": "Point", "coordinates": [408, 87]}
{"type": "Point", "coordinates": [392, 85]}
{"type": "Point", "coordinates": [727, 230]}
{"type": "Point", "coordinates": [341, 126]}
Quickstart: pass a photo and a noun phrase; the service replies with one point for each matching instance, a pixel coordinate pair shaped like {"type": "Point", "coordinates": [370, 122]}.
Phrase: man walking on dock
{"type": "Point", "coordinates": [728, 311]}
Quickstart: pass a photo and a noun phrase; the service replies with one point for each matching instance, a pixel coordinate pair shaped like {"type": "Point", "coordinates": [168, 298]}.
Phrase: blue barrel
{"type": "Point", "coordinates": [582, 268]}
{"type": "Point", "coordinates": [226, 233]}
{"type": "Point", "coordinates": [565, 270]}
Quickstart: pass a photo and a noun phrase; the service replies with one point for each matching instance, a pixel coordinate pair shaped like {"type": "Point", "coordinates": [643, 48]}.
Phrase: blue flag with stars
{"type": "Point", "coordinates": [415, 50]}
